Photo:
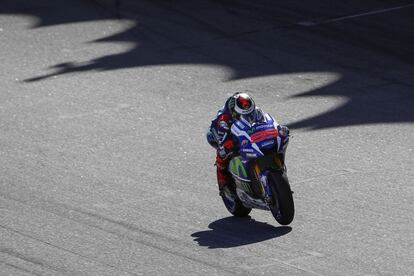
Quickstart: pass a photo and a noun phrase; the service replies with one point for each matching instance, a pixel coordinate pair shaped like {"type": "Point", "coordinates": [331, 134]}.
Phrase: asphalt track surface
{"type": "Point", "coordinates": [104, 168]}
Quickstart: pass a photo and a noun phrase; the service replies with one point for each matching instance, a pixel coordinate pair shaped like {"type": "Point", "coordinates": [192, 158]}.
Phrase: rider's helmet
{"type": "Point", "coordinates": [246, 109]}
{"type": "Point", "coordinates": [244, 104]}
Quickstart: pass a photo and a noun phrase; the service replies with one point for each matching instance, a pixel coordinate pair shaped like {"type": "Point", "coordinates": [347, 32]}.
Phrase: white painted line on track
{"type": "Point", "coordinates": [314, 23]}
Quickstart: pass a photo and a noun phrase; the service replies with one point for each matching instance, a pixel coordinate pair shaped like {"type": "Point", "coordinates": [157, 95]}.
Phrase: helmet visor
{"type": "Point", "coordinates": [244, 104]}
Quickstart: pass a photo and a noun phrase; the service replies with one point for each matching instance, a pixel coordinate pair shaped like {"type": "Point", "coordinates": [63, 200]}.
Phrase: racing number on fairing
{"type": "Point", "coordinates": [263, 135]}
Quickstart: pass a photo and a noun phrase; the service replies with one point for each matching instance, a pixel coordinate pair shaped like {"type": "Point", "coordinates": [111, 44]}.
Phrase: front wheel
{"type": "Point", "coordinates": [235, 206]}
{"type": "Point", "coordinates": [282, 207]}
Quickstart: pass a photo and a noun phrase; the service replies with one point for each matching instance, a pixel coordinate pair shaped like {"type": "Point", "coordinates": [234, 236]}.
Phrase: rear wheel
{"type": "Point", "coordinates": [282, 208]}
{"type": "Point", "coordinates": [235, 206]}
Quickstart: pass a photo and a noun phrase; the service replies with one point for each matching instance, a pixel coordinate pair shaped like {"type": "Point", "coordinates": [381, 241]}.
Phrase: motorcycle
{"type": "Point", "coordinates": [259, 172]}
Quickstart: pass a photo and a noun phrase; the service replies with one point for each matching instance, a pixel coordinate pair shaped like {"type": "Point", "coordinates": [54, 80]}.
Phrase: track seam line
{"type": "Point", "coordinates": [62, 248]}
{"type": "Point", "coordinates": [131, 238]}
{"type": "Point", "coordinates": [342, 18]}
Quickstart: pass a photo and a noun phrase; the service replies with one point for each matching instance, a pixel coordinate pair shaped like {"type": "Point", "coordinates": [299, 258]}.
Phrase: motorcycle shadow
{"type": "Point", "coordinates": [232, 232]}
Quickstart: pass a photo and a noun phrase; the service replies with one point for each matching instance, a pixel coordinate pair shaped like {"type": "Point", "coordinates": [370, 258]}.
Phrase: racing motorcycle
{"type": "Point", "coordinates": [258, 171]}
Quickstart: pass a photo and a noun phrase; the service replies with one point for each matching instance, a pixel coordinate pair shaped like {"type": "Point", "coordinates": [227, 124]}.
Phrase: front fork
{"type": "Point", "coordinates": [263, 178]}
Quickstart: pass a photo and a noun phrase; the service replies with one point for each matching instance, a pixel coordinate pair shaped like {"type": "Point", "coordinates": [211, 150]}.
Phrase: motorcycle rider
{"type": "Point", "coordinates": [239, 106]}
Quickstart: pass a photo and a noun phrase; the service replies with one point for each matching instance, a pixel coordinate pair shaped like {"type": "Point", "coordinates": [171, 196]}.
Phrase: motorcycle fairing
{"type": "Point", "coordinates": [239, 169]}
{"type": "Point", "coordinates": [255, 137]}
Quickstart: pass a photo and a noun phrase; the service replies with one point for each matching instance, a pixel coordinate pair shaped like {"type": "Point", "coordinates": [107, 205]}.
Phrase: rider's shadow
{"type": "Point", "coordinates": [233, 232]}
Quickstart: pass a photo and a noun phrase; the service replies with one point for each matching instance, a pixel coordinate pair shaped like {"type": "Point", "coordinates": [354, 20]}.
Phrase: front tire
{"type": "Point", "coordinates": [283, 209]}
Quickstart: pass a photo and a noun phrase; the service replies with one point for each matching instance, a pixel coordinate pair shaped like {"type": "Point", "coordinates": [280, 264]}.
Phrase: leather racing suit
{"type": "Point", "coordinates": [219, 136]}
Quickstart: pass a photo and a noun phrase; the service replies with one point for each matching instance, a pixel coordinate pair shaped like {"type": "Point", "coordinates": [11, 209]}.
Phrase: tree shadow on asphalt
{"type": "Point", "coordinates": [232, 232]}
{"type": "Point", "coordinates": [371, 56]}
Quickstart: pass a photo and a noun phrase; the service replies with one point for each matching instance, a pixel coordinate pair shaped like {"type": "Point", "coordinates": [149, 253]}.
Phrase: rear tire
{"type": "Point", "coordinates": [236, 207]}
{"type": "Point", "coordinates": [283, 209]}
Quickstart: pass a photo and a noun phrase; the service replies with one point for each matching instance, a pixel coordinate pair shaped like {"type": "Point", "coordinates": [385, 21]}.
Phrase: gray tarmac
{"type": "Point", "coordinates": [104, 167]}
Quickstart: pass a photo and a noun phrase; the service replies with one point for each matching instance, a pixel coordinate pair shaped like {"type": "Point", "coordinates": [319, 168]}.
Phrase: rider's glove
{"type": "Point", "coordinates": [283, 131]}
{"type": "Point", "coordinates": [222, 152]}
{"type": "Point", "coordinates": [226, 149]}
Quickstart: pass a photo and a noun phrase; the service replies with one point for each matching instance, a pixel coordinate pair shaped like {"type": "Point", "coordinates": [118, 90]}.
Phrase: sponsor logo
{"type": "Point", "coordinates": [271, 142]}
{"type": "Point", "coordinates": [237, 167]}
{"type": "Point", "coordinates": [252, 130]}
{"type": "Point", "coordinates": [264, 135]}
{"type": "Point", "coordinates": [244, 142]}
{"type": "Point", "coordinates": [263, 126]}
{"type": "Point", "coordinates": [245, 186]}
